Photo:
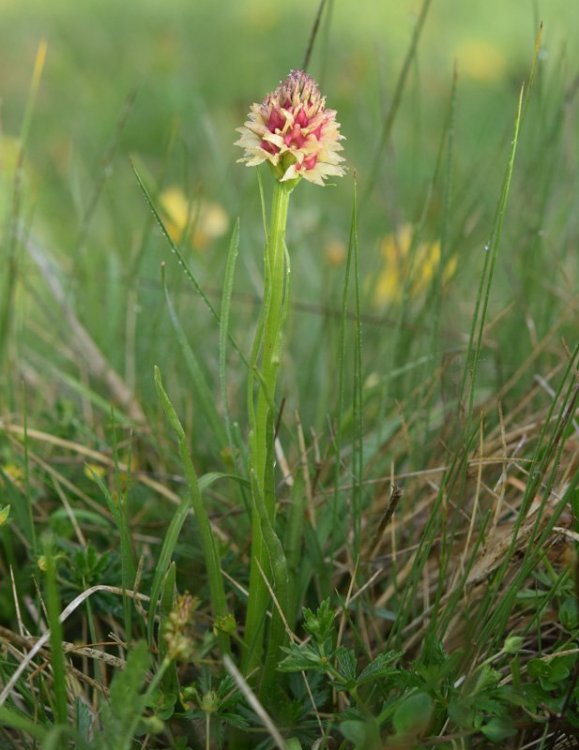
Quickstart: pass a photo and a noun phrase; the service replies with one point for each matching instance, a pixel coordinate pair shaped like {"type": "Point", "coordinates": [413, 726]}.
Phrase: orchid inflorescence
{"type": "Point", "coordinates": [293, 131]}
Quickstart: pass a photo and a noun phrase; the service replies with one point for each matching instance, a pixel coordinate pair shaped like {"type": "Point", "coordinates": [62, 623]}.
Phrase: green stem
{"type": "Point", "coordinates": [261, 406]}
{"type": "Point", "coordinates": [280, 584]}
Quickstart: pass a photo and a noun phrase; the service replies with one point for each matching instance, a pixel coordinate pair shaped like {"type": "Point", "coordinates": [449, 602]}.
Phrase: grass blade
{"type": "Point", "coordinates": [181, 260]}
{"type": "Point", "coordinates": [483, 294]}
{"type": "Point", "coordinates": [11, 261]}
{"type": "Point", "coordinates": [16, 720]}
{"type": "Point", "coordinates": [224, 325]}
{"type": "Point", "coordinates": [210, 553]}
{"type": "Point", "coordinates": [205, 397]}
{"type": "Point", "coordinates": [122, 713]}
{"type": "Point", "coordinates": [56, 647]}
{"type": "Point", "coordinates": [397, 97]}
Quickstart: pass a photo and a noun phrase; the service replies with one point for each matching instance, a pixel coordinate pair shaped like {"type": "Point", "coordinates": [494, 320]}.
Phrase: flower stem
{"type": "Point", "coordinates": [264, 366]}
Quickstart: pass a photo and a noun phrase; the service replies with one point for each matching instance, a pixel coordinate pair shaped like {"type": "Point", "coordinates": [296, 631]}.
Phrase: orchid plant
{"type": "Point", "coordinates": [294, 132]}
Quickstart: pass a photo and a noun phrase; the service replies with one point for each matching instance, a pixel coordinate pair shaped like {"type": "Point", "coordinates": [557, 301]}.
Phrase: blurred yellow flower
{"type": "Point", "coordinates": [401, 268]}
{"type": "Point", "coordinates": [15, 475]}
{"type": "Point", "coordinates": [200, 220]}
{"type": "Point", "coordinates": [262, 16]}
{"type": "Point", "coordinates": [336, 252]}
{"type": "Point", "coordinates": [480, 60]}
{"type": "Point", "coordinates": [42, 560]}
{"type": "Point", "coordinates": [94, 470]}
{"type": "Point", "coordinates": [11, 148]}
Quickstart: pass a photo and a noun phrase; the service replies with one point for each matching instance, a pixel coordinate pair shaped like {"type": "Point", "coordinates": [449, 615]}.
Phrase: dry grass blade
{"type": "Point", "coordinates": [65, 614]}
{"type": "Point", "coordinates": [86, 347]}
{"type": "Point", "coordinates": [91, 455]}
{"type": "Point", "coordinates": [251, 698]}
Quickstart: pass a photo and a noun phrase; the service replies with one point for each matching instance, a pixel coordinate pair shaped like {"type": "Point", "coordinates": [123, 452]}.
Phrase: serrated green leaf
{"type": "Point", "coordinates": [300, 658]}
{"type": "Point", "coordinates": [487, 678]}
{"type": "Point", "coordinates": [433, 652]}
{"type": "Point", "coordinates": [380, 668]}
{"type": "Point", "coordinates": [235, 720]}
{"type": "Point", "coordinates": [346, 664]}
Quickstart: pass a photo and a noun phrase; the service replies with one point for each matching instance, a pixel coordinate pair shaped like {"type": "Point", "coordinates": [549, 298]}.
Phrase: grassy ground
{"type": "Point", "coordinates": [428, 431]}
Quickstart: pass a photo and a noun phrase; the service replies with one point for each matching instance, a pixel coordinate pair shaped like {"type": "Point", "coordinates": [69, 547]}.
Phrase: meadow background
{"type": "Point", "coordinates": [388, 372]}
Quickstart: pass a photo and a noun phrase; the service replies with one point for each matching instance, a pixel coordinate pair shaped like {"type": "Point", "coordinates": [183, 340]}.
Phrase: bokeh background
{"type": "Point", "coordinates": [198, 64]}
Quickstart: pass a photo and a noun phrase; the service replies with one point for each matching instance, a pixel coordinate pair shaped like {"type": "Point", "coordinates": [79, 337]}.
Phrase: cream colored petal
{"type": "Point", "coordinates": [333, 170]}
{"type": "Point", "coordinates": [314, 175]}
{"type": "Point", "coordinates": [254, 159]}
{"type": "Point", "coordinates": [291, 173]}
{"type": "Point", "coordinates": [274, 138]}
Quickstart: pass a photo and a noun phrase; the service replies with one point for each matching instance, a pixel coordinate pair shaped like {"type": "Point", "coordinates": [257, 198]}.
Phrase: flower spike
{"type": "Point", "coordinates": [294, 132]}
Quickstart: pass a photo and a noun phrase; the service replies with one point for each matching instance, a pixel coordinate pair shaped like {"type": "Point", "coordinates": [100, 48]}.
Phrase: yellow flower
{"type": "Point", "coordinates": [336, 252]}
{"type": "Point", "coordinates": [94, 470]}
{"type": "Point", "coordinates": [202, 220]}
{"type": "Point", "coordinates": [15, 475]}
{"type": "Point", "coordinates": [42, 560]}
{"type": "Point", "coordinates": [262, 16]}
{"type": "Point", "coordinates": [294, 132]}
{"type": "Point", "coordinates": [480, 60]}
{"type": "Point", "coordinates": [401, 268]}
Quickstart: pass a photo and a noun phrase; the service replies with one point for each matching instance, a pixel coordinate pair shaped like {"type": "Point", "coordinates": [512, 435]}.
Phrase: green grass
{"type": "Point", "coordinates": [422, 552]}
